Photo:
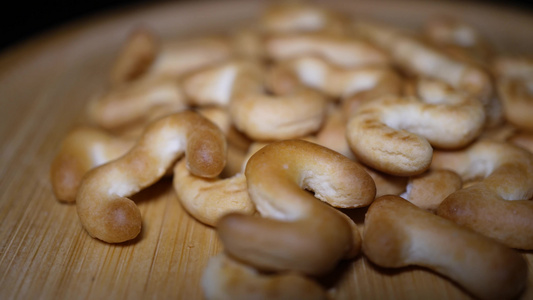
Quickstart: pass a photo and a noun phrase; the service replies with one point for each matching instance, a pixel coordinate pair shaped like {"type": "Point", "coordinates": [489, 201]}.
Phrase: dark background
{"type": "Point", "coordinates": [23, 20]}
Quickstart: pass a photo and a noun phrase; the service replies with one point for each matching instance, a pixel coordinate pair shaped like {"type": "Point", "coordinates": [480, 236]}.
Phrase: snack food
{"type": "Point", "coordinates": [339, 50]}
{"type": "Point", "coordinates": [208, 199]}
{"type": "Point", "coordinates": [82, 149]}
{"type": "Point", "coordinates": [293, 17]}
{"type": "Point", "coordinates": [135, 57]}
{"type": "Point", "coordinates": [334, 81]}
{"type": "Point", "coordinates": [459, 39]}
{"type": "Point", "coordinates": [297, 232]}
{"type": "Point", "coordinates": [101, 202]}
{"type": "Point", "coordinates": [395, 135]}
{"type": "Point", "coordinates": [498, 205]}
{"type": "Point", "coordinates": [514, 76]}
{"type": "Point", "coordinates": [140, 101]}
{"type": "Point", "coordinates": [413, 55]}
{"type": "Point", "coordinates": [265, 117]}
{"type": "Point", "coordinates": [430, 188]}
{"type": "Point", "coordinates": [398, 234]}
{"type": "Point", "coordinates": [305, 73]}
{"type": "Point", "coordinates": [226, 278]}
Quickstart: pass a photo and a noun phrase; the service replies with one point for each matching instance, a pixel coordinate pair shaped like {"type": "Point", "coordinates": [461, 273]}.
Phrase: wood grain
{"type": "Point", "coordinates": [44, 86]}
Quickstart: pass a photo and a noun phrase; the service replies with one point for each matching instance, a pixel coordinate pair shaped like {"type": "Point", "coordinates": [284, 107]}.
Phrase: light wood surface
{"type": "Point", "coordinates": [44, 86]}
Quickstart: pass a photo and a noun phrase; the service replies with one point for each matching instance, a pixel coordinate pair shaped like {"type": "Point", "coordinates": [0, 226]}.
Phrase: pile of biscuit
{"type": "Point", "coordinates": [274, 130]}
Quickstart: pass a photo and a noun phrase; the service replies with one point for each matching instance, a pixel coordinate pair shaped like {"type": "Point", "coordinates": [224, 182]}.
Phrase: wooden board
{"type": "Point", "coordinates": [44, 86]}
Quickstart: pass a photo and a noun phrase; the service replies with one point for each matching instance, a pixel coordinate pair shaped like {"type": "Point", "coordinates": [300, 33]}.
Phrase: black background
{"type": "Point", "coordinates": [23, 20]}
